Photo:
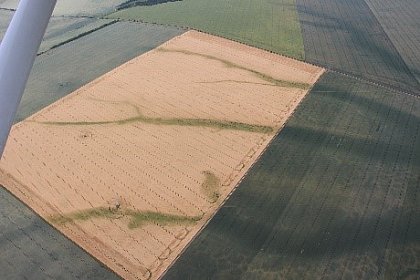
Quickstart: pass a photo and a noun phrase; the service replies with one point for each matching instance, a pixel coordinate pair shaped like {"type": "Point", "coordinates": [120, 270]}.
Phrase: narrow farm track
{"type": "Point", "coordinates": [334, 195]}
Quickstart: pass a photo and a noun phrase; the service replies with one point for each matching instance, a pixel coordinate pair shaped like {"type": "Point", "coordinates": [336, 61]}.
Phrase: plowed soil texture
{"type": "Point", "coordinates": [32, 249]}
{"type": "Point", "coordinates": [335, 195]}
{"type": "Point", "coordinates": [346, 36]}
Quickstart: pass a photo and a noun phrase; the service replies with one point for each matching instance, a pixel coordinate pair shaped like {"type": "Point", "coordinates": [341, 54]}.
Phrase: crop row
{"type": "Point", "coordinates": [58, 72]}
{"type": "Point", "coordinates": [334, 194]}
{"type": "Point", "coordinates": [264, 24]}
{"type": "Point", "coordinates": [31, 247]}
{"type": "Point", "coordinates": [401, 24]}
{"type": "Point", "coordinates": [346, 36]}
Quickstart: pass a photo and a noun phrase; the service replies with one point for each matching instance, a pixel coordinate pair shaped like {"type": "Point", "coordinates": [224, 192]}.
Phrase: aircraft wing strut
{"type": "Point", "coordinates": [17, 54]}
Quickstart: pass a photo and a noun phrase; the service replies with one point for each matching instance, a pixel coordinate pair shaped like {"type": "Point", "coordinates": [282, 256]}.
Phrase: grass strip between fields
{"type": "Point", "coordinates": [137, 218]}
{"type": "Point", "coordinates": [220, 124]}
{"type": "Point", "coordinates": [262, 76]}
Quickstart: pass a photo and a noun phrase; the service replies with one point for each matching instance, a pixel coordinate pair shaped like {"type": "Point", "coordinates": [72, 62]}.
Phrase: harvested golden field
{"type": "Point", "coordinates": [132, 165]}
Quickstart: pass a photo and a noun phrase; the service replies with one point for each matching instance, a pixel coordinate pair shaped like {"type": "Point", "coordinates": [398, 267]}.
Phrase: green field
{"type": "Point", "coordinates": [32, 249]}
{"type": "Point", "coordinates": [74, 7]}
{"type": "Point", "coordinates": [267, 24]}
{"type": "Point", "coordinates": [64, 69]}
{"type": "Point", "coordinates": [335, 195]}
{"type": "Point", "coordinates": [60, 30]}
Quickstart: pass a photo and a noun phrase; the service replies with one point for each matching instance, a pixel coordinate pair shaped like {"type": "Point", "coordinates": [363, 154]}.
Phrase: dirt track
{"type": "Point", "coordinates": [132, 165]}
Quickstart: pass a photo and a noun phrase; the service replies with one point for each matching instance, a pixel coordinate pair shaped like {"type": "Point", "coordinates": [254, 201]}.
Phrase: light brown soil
{"type": "Point", "coordinates": [153, 136]}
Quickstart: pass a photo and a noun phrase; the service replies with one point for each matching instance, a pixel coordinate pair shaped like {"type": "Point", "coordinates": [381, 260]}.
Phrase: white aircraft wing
{"type": "Point", "coordinates": [18, 50]}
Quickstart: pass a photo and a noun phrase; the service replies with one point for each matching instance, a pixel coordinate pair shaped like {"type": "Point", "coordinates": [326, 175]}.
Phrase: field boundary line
{"type": "Point", "coordinates": [369, 81]}
{"type": "Point", "coordinates": [34, 196]}
{"type": "Point", "coordinates": [8, 9]}
{"type": "Point", "coordinates": [257, 160]}
{"type": "Point", "coordinates": [208, 33]}
{"type": "Point", "coordinates": [84, 87]}
{"type": "Point", "coordinates": [105, 17]}
{"type": "Point", "coordinates": [78, 36]}
{"type": "Point", "coordinates": [387, 38]}
{"type": "Point", "coordinates": [186, 28]}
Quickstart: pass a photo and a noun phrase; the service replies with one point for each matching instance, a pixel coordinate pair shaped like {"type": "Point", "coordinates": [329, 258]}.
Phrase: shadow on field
{"type": "Point", "coordinates": [31, 249]}
{"type": "Point", "coordinates": [357, 144]}
{"type": "Point", "coordinates": [347, 37]}
{"type": "Point", "coordinates": [242, 244]}
{"type": "Point", "coordinates": [334, 196]}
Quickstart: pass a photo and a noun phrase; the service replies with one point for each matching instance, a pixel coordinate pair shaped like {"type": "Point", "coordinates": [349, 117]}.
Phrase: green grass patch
{"type": "Point", "coordinates": [137, 218]}
{"type": "Point", "coordinates": [140, 218]}
{"type": "Point", "coordinates": [211, 186]}
{"type": "Point", "coordinates": [56, 74]}
{"type": "Point", "coordinates": [337, 183]}
{"type": "Point", "coordinates": [219, 124]}
{"type": "Point", "coordinates": [271, 80]}
{"type": "Point", "coordinates": [267, 24]}
{"type": "Point", "coordinates": [174, 121]}
{"type": "Point", "coordinates": [100, 212]}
